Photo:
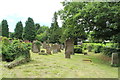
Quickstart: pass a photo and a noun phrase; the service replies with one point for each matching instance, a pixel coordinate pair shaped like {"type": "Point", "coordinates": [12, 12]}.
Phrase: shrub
{"type": "Point", "coordinates": [108, 51]}
{"type": "Point", "coordinates": [15, 50]}
{"type": "Point", "coordinates": [84, 46]}
{"type": "Point", "coordinates": [97, 49]}
{"type": "Point", "coordinates": [77, 49]}
{"type": "Point", "coordinates": [90, 47]}
{"type": "Point", "coordinates": [5, 41]}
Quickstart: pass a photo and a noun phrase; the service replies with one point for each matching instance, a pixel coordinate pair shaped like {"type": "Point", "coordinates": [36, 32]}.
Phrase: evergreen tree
{"type": "Point", "coordinates": [5, 29]}
{"type": "Point", "coordinates": [29, 30]}
{"type": "Point", "coordinates": [18, 30]}
{"type": "Point", "coordinates": [54, 30]}
{"type": "Point", "coordinates": [37, 27]}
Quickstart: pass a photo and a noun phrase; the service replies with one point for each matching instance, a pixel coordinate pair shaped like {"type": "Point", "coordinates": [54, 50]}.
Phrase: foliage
{"type": "Point", "coordinates": [11, 35]}
{"type": "Point", "coordinates": [38, 43]}
{"type": "Point", "coordinates": [18, 30]}
{"type": "Point", "coordinates": [4, 28]}
{"type": "Point", "coordinates": [72, 28]}
{"type": "Point", "coordinates": [77, 49]}
{"type": "Point", "coordinates": [5, 41]}
{"type": "Point", "coordinates": [108, 51]}
{"type": "Point", "coordinates": [54, 31]}
{"type": "Point", "coordinates": [97, 49]}
{"type": "Point", "coordinates": [15, 50]}
{"type": "Point", "coordinates": [42, 37]}
{"type": "Point", "coordinates": [29, 31]}
{"type": "Point", "coordinates": [90, 47]}
{"type": "Point", "coordinates": [42, 29]}
{"type": "Point", "coordinates": [37, 27]}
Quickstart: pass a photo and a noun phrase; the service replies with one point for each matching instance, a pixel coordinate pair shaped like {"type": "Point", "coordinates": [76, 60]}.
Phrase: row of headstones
{"type": "Point", "coordinates": [50, 48]}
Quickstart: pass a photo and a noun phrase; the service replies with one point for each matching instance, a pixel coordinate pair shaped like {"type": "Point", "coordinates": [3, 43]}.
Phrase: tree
{"type": "Point", "coordinates": [72, 29]}
{"type": "Point", "coordinates": [99, 17]}
{"type": "Point", "coordinates": [42, 37]}
{"type": "Point", "coordinates": [37, 27]}
{"type": "Point", "coordinates": [103, 19]}
{"type": "Point", "coordinates": [12, 35]}
{"type": "Point", "coordinates": [29, 30]}
{"type": "Point", "coordinates": [42, 29]}
{"type": "Point", "coordinates": [5, 29]}
{"type": "Point", "coordinates": [54, 31]}
{"type": "Point", "coordinates": [18, 30]}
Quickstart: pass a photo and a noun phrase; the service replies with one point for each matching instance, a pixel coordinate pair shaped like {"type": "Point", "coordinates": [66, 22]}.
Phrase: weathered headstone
{"type": "Point", "coordinates": [35, 47]}
{"type": "Point", "coordinates": [26, 41]}
{"type": "Point", "coordinates": [44, 45]}
{"type": "Point", "coordinates": [42, 52]}
{"type": "Point", "coordinates": [61, 46]}
{"type": "Point", "coordinates": [114, 60]}
{"type": "Point", "coordinates": [58, 47]}
{"type": "Point", "coordinates": [54, 48]}
{"type": "Point", "coordinates": [69, 48]}
{"type": "Point", "coordinates": [48, 49]}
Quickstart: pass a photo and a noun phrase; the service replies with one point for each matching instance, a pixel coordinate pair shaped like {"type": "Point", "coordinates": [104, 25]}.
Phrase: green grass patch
{"type": "Point", "coordinates": [56, 66]}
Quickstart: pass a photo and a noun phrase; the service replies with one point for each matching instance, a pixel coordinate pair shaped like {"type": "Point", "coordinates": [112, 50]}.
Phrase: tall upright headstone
{"type": "Point", "coordinates": [48, 49]}
{"type": "Point", "coordinates": [35, 47]}
{"type": "Point", "coordinates": [44, 45]}
{"type": "Point", "coordinates": [114, 60]}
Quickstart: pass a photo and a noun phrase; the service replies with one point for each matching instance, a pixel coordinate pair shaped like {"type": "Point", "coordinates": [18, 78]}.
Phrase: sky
{"type": "Point", "coordinates": [19, 10]}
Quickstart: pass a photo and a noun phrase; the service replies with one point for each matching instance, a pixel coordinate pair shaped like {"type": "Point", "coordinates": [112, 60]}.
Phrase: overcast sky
{"type": "Point", "coordinates": [19, 10]}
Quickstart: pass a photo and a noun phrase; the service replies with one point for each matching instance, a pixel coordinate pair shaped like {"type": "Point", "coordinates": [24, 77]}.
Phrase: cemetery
{"type": "Point", "coordinates": [86, 46]}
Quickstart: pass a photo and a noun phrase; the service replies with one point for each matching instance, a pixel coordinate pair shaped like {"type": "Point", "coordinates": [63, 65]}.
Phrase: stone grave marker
{"type": "Point", "coordinates": [48, 49]}
{"type": "Point", "coordinates": [35, 48]}
{"type": "Point", "coordinates": [114, 60]}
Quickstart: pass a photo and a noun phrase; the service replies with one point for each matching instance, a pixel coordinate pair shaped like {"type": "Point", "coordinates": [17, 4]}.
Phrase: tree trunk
{"type": "Point", "coordinates": [69, 47]}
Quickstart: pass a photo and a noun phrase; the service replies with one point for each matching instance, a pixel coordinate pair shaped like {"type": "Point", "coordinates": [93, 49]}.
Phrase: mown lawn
{"type": "Point", "coordinates": [56, 66]}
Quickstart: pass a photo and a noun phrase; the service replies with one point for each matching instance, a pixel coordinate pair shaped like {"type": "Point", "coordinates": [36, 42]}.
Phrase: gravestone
{"type": "Point", "coordinates": [114, 60]}
{"type": "Point", "coordinates": [54, 48]}
{"type": "Point", "coordinates": [69, 47]}
{"type": "Point", "coordinates": [61, 46]}
{"type": "Point", "coordinates": [44, 45]}
{"type": "Point", "coordinates": [58, 47]}
{"type": "Point", "coordinates": [26, 41]}
{"type": "Point", "coordinates": [42, 52]}
{"type": "Point", "coordinates": [35, 48]}
{"type": "Point", "coordinates": [48, 49]}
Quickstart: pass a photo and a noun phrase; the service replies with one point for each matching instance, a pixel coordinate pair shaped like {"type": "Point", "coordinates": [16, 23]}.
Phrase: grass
{"type": "Point", "coordinates": [56, 66]}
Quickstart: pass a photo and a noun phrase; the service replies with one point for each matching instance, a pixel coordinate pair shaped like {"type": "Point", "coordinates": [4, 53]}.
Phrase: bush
{"type": "Point", "coordinates": [90, 47]}
{"type": "Point", "coordinates": [84, 46]}
{"type": "Point", "coordinates": [15, 50]}
{"type": "Point", "coordinates": [108, 51]}
{"type": "Point", "coordinates": [97, 49]}
{"type": "Point", "coordinates": [77, 49]}
{"type": "Point", "coordinates": [5, 41]}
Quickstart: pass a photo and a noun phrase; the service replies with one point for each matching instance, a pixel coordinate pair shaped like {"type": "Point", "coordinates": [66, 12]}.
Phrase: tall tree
{"type": "Point", "coordinates": [18, 30]}
{"type": "Point", "coordinates": [54, 31]}
{"type": "Point", "coordinates": [42, 29]}
{"type": "Point", "coordinates": [37, 27]}
{"type": "Point", "coordinates": [29, 30]}
{"type": "Point", "coordinates": [72, 29]}
{"type": "Point", "coordinates": [5, 29]}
